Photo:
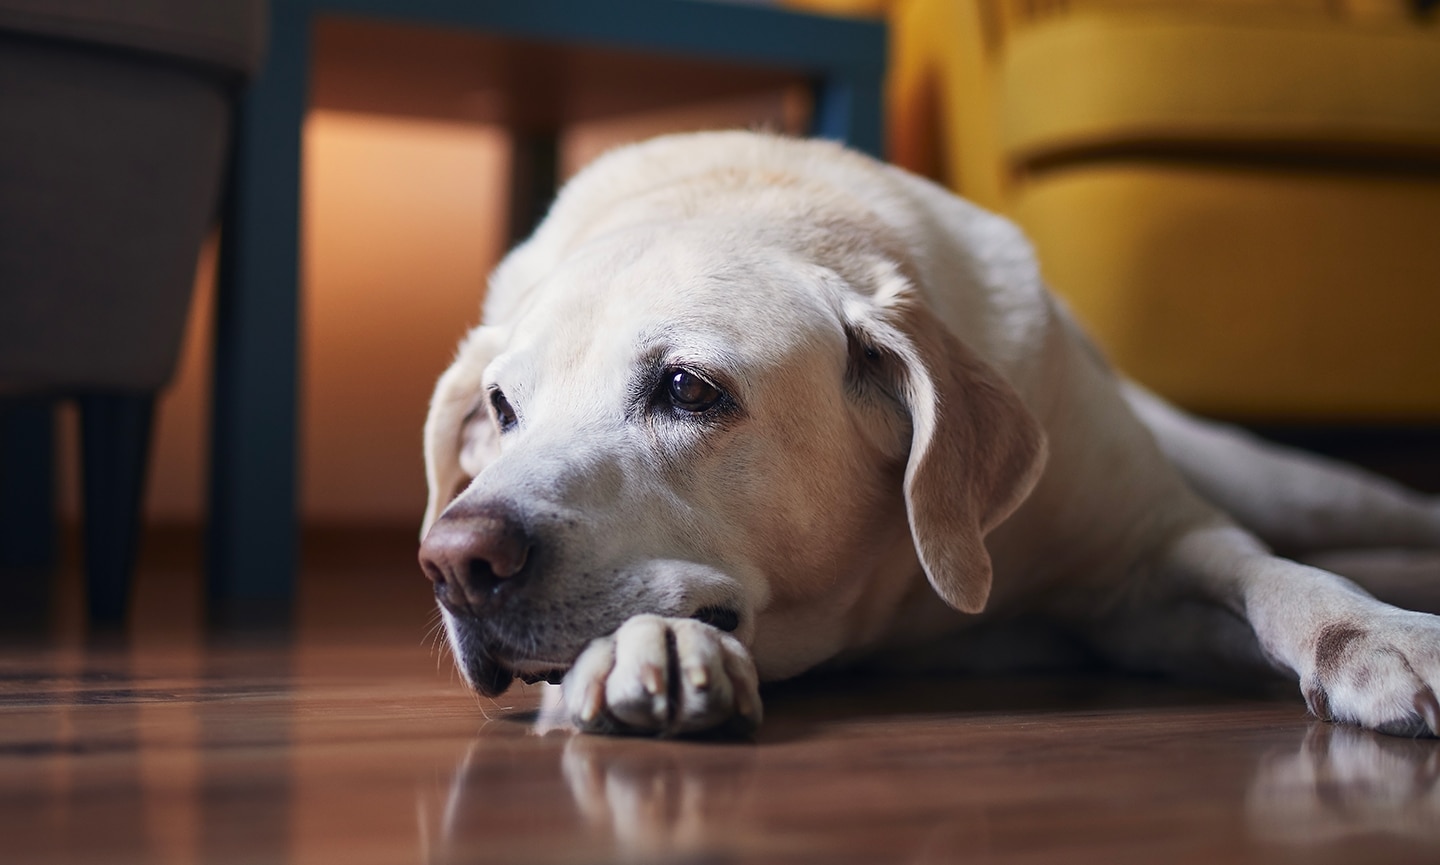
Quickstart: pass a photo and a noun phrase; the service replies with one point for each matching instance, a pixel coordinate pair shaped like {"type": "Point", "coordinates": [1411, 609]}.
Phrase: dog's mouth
{"type": "Point", "coordinates": [491, 673]}
{"type": "Point", "coordinates": [531, 672]}
{"type": "Point", "coordinates": [490, 664]}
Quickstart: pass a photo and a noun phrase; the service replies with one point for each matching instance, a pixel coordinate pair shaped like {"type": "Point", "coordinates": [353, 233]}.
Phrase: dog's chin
{"type": "Point", "coordinates": [485, 674]}
{"type": "Point", "coordinates": [489, 666]}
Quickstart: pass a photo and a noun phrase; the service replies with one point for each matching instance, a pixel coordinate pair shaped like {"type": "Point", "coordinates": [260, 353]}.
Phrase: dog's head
{"type": "Point", "coordinates": [715, 418]}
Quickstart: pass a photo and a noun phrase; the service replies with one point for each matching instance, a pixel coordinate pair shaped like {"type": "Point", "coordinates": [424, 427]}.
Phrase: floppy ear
{"type": "Point", "coordinates": [460, 438]}
{"type": "Point", "coordinates": [975, 449]}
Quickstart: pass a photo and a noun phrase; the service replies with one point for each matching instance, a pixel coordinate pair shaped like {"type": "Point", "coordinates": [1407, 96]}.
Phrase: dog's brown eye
{"type": "Point", "coordinates": [504, 412]}
{"type": "Point", "coordinates": [691, 392]}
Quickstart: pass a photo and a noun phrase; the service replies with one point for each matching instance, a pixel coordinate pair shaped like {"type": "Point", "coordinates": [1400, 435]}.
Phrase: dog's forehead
{"type": "Point", "coordinates": [711, 292]}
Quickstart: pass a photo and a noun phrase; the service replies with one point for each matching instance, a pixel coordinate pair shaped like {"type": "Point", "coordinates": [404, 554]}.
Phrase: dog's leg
{"type": "Point", "coordinates": [665, 677]}
{"type": "Point", "coordinates": [1216, 593]}
{"type": "Point", "coordinates": [1297, 503]}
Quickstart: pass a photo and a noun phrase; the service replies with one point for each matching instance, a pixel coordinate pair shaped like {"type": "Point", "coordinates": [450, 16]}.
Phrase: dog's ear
{"type": "Point", "coordinates": [460, 438]}
{"type": "Point", "coordinates": [975, 449]}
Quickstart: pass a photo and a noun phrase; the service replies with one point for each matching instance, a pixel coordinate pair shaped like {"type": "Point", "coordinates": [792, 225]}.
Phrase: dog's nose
{"type": "Point", "coordinates": [469, 553]}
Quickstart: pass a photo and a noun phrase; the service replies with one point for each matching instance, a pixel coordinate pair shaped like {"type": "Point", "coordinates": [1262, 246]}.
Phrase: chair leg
{"type": "Point", "coordinates": [27, 485]}
{"type": "Point", "coordinates": [115, 434]}
{"type": "Point", "coordinates": [27, 514]}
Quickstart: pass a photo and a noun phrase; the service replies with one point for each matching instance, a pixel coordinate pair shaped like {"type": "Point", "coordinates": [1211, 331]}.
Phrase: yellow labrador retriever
{"type": "Point", "coordinates": [744, 406]}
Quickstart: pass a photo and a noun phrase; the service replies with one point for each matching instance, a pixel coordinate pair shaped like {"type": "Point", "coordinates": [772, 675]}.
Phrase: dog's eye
{"type": "Point", "coordinates": [692, 393]}
{"type": "Point", "coordinates": [504, 412]}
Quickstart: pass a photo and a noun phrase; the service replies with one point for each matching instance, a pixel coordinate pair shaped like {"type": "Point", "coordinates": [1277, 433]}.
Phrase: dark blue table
{"type": "Point", "coordinates": [252, 521]}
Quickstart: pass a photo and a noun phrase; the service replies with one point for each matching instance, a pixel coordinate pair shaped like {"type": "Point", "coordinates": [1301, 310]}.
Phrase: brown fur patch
{"type": "Point", "coordinates": [1331, 644]}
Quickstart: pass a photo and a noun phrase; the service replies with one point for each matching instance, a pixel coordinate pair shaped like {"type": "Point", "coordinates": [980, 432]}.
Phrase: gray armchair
{"type": "Point", "coordinates": [113, 140]}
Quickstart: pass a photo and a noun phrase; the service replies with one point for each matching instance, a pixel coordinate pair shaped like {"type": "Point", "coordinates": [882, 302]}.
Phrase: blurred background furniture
{"type": "Point", "coordinates": [532, 67]}
{"type": "Point", "coordinates": [113, 139]}
{"type": "Point", "coordinates": [1238, 197]}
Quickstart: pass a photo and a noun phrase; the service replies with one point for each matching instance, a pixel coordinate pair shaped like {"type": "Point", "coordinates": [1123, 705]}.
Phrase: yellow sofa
{"type": "Point", "coordinates": [1241, 198]}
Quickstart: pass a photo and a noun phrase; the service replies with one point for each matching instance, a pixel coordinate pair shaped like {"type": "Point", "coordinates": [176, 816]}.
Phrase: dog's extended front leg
{"type": "Point", "coordinates": [1357, 660]}
{"type": "Point", "coordinates": [667, 677]}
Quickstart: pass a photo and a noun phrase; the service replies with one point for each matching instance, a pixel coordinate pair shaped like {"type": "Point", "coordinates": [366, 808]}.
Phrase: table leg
{"type": "Point", "coordinates": [252, 546]}
{"type": "Point", "coordinates": [534, 173]}
{"type": "Point", "coordinates": [850, 111]}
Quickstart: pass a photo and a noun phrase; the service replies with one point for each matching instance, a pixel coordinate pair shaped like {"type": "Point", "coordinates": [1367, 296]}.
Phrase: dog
{"type": "Point", "coordinates": [745, 406]}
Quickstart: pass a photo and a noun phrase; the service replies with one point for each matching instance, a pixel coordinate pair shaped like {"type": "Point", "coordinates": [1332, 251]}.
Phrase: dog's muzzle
{"type": "Point", "coordinates": [477, 557]}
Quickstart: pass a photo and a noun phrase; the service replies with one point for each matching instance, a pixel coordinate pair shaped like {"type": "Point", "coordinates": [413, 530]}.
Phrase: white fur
{"type": "Point", "coordinates": [984, 463]}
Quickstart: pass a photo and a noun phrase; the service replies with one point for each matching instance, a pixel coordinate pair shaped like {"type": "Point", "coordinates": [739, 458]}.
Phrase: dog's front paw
{"type": "Point", "coordinates": [665, 677]}
{"type": "Point", "coordinates": [1382, 672]}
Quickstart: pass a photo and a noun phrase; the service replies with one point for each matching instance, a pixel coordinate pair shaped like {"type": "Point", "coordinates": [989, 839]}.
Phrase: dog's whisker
{"type": "Point", "coordinates": [434, 635]}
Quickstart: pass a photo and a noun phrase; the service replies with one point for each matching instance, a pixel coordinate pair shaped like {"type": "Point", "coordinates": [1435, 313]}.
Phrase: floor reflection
{"type": "Point", "coordinates": [113, 755]}
{"type": "Point", "coordinates": [660, 803]}
{"type": "Point", "coordinates": [665, 801]}
{"type": "Point", "coordinates": [926, 782]}
{"type": "Point", "coordinates": [1343, 782]}
{"type": "Point", "coordinates": [505, 803]}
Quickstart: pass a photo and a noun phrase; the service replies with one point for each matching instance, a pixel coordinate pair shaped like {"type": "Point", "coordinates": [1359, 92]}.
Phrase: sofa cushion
{"type": "Point", "coordinates": [1157, 80]}
{"type": "Point", "coordinates": [229, 34]}
{"type": "Point", "coordinates": [1261, 294]}
{"type": "Point", "coordinates": [110, 167]}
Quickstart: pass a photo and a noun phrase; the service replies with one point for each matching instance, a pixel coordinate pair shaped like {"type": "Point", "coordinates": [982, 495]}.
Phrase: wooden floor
{"type": "Point", "coordinates": [353, 742]}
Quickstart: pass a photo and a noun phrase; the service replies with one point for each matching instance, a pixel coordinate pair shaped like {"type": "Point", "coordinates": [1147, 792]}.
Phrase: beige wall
{"type": "Point", "coordinates": [403, 220]}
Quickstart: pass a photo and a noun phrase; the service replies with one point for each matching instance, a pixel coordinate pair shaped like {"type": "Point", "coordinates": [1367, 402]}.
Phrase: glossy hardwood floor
{"type": "Point", "coordinates": [352, 742]}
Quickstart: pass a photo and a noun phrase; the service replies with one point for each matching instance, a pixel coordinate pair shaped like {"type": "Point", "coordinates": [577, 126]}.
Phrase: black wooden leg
{"type": "Point", "coordinates": [851, 111]}
{"type": "Point", "coordinates": [534, 178]}
{"type": "Point", "coordinates": [115, 434]}
{"type": "Point", "coordinates": [252, 527]}
{"type": "Point", "coordinates": [27, 513]}
{"type": "Point", "coordinates": [27, 484]}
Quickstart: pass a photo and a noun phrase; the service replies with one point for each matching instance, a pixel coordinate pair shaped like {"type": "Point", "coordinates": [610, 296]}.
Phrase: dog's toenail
{"type": "Point", "coordinates": [653, 678]}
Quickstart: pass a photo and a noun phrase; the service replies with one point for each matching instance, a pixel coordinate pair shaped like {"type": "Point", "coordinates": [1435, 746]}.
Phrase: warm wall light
{"type": "Point", "coordinates": [404, 218]}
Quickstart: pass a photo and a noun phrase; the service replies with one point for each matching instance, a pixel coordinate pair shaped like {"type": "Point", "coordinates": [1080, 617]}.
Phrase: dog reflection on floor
{"type": "Point", "coordinates": [668, 802]}
{"type": "Point", "coordinates": [679, 801]}
{"type": "Point", "coordinates": [1345, 782]}
{"type": "Point", "coordinates": [658, 804]}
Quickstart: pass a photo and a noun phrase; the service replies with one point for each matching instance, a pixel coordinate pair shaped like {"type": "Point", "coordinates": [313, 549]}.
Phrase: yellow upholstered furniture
{"type": "Point", "coordinates": [1240, 198]}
